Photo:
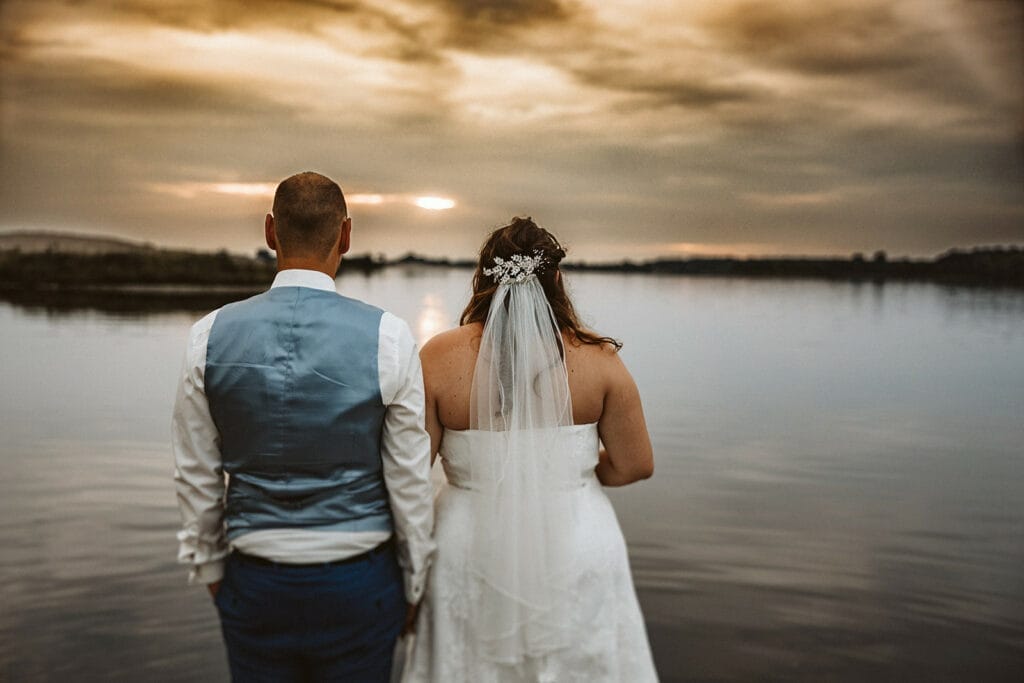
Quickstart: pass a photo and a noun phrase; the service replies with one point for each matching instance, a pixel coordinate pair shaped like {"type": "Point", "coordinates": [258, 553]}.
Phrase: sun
{"type": "Point", "coordinates": [434, 203]}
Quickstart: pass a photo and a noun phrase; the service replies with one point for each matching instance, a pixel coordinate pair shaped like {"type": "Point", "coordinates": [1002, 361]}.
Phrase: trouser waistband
{"type": "Point", "coordinates": [264, 562]}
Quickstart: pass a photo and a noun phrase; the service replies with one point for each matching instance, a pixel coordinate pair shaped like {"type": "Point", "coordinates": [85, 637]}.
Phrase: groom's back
{"type": "Point", "coordinates": [313, 404]}
{"type": "Point", "coordinates": [294, 390]}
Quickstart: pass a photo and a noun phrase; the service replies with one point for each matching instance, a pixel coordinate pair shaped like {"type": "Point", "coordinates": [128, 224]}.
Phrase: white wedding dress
{"type": "Point", "coordinates": [595, 600]}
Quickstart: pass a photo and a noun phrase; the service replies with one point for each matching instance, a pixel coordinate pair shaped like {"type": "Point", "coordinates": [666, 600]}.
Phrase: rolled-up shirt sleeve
{"type": "Point", "coordinates": [405, 450]}
{"type": "Point", "coordinates": [198, 471]}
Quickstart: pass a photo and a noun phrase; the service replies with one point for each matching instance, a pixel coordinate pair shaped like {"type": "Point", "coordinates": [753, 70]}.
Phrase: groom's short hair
{"type": "Point", "coordinates": [308, 211]}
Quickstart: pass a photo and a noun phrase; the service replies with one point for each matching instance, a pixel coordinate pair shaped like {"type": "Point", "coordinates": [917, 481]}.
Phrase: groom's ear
{"type": "Point", "coordinates": [346, 236]}
{"type": "Point", "coordinates": [269, 233]}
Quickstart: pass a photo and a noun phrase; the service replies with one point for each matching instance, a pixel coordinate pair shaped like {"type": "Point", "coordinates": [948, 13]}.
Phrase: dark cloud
{"type": "Point", "coordinates": [499, 25]}
{"type": "Point", "coordinates": [406, 39]}
{"type": "Point", "coordinates": [507, 11]}
{"type": "Point", "coordinates": [481, 23]}
{"type": "Point", "coordinates": [972, 58]}
{"type": "Point", "coordinates": [692, 94]}
{"type": "Point", "coordinates": [822, 38]}
{"type": "Point", "coordinates": [228, 14]}
{"type": "Point", "coordinates": [104, 93]}
{"type": "Point", "coordinates": [662, 88]}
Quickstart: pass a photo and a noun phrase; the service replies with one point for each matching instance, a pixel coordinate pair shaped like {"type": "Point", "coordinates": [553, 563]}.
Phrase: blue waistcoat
{"type": "Point", "coordinates": [294, 390]}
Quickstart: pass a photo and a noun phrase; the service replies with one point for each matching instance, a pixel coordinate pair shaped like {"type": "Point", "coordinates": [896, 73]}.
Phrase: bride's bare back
{"type": "Point", "coordinates": [601, 387]}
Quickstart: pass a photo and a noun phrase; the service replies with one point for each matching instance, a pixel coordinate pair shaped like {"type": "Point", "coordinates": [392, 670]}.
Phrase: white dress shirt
{"type": "Point", "coordinates": [405, 451]}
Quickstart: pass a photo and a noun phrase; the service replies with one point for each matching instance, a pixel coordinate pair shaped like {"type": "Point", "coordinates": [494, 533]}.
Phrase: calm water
{"type": "Point", "coordinates": [839, 491]}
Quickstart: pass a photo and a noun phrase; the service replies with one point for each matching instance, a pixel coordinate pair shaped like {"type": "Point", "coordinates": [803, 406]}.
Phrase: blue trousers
{"type": "Point", "coordinates": [331, 622]}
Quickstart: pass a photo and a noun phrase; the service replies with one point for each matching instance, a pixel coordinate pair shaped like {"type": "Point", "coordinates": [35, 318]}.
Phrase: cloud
{"type": "Point", "coordinates": [504, 12]}
{"type": "Point", "coordinates": [299, 16]}
{"type": "Point", "coordinates": [628, 74]}
{"type": "Point", "coordinates": [497, 25]}
{"type": "Point", "coordinates": [816, 37]}
{"type": "Point", "coordinates": [188, 190]}
{"type": "Point", "coordinates": [623, 126]}
{"type": "Point", "coordinates": [909, 63]}
{"type": "Point", "coordinates": [265, 190]}
{"type": "Point", "coordinates": [788, 200]}
{"type": "Point", "coordinates": [98, 92]}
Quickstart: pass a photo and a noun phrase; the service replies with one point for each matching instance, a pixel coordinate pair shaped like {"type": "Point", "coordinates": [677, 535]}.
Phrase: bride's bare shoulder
{"type": "Point", "coordinates": [592, 352]}
{"type": "Point", "coordinates": [592, 366]}
{"type": "Point", "coordinates": [455, 341]}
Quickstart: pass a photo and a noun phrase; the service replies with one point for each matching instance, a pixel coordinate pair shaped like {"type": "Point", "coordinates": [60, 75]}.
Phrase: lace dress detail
{"type": "Point", "coordinates": [609, 637]}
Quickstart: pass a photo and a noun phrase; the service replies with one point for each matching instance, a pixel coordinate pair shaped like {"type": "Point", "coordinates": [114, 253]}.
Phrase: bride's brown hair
{"type": "Point", "coordinates": [523, 236]}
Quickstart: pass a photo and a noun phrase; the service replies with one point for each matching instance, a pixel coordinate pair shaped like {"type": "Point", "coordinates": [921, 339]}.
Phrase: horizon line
{"type": "Point", "coordinates": [387, 258]}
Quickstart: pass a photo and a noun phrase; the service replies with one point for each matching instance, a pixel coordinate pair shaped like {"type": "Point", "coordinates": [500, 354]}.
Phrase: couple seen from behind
{"type": "Point", "coordinates": [304, 430]}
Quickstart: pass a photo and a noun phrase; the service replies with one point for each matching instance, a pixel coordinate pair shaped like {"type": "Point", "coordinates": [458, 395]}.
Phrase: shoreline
{"type": "Point", "coordinates": [163, 273]}
{"type": "Point", "coordinates": [133, 299]}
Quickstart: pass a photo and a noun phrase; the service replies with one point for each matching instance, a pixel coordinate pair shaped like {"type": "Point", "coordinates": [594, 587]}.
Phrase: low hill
{"type": "Point", "coordinates": [30, 260]}
{"type": "Point", "coordinates": [38, 241]}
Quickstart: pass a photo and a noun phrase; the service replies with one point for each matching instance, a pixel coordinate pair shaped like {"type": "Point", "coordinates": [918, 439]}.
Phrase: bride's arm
{"type": "Point", "coordinates": [431, 419]}
{"type": "Point", "coordinates": [627, 455]}
{"type": "Point", "coordinates": [434, 427]}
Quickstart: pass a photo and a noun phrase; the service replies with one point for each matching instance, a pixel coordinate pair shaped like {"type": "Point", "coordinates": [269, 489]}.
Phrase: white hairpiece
{"type": "Point", "coordinates": [517, 268]}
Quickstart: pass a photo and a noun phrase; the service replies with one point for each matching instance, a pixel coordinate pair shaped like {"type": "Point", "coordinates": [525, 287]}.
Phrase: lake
{"type": "Point", "coordinates": [838, 494]}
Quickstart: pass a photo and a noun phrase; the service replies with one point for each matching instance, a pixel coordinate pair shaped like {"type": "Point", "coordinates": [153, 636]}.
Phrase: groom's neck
{"type": "Point", "coordinates": [305, 263]}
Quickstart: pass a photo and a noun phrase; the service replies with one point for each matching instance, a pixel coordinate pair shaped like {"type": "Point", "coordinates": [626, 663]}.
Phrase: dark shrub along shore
{"type": "Point", "coordinates": [149, 267]}
{"type": "Point", "coordinates": [986, 266]}
{"type": "Point", "coordinates": [981, 266]}
{"type": "Point", "coordinates": [145, 269]}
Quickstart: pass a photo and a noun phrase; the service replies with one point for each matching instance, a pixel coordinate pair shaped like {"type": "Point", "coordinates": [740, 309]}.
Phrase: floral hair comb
{"type": "Point", "coordinates": [516, 268]}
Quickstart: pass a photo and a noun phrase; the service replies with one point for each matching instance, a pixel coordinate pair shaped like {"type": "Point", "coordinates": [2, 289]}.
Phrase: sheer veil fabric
{"type": "Point", "coordinates": [522, 511]}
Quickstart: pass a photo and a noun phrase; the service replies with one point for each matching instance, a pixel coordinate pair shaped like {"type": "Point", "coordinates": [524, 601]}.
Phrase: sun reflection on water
{"type": "Point", "coordinates": [431, 319]}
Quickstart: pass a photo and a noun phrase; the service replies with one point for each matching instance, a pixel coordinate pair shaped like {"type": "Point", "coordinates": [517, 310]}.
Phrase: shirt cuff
{"type": "Point", "coordinates": [420, 558]}
{"type": "Point", "coordinates": [207, 573]}
{"type": "Point", "coordinates": [415, 584]}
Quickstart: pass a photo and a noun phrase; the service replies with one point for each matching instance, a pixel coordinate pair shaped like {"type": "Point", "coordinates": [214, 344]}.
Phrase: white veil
{"type": "Point", "coordinates": [522, 554]}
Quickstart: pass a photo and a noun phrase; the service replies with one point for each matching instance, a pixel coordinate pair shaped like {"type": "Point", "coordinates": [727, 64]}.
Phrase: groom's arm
{"type": "Point", "coordinates": [198, 473]}
{"type": "Point", "coordinates": [405, 450]}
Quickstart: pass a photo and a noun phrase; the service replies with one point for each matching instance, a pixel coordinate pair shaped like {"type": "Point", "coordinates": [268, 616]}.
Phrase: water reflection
{"type": "Point", "coordinates": [433, 318]}
{"type": "Point", "coordinates": [837, 494]}
{"type": "Point", "coordinates": [131, 302]}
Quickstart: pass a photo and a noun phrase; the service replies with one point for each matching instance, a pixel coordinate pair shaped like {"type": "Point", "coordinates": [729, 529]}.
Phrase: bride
{"type": "Point", "coordinates": [531, 580]}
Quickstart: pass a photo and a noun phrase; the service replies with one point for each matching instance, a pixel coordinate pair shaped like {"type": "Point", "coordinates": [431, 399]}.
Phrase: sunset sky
{"type": "Point", "coordinates": [629, 128]}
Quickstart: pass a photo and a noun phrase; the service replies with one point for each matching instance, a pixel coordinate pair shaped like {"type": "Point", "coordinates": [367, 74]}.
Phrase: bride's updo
{"type": "Point", "coordinates": [523, 236]}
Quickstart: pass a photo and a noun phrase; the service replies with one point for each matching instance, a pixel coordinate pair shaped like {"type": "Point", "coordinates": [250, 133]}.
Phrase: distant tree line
{"type": "Point", "coordinates": [150, 267]}
{"type": "Point", "coordinates": [993, 266]}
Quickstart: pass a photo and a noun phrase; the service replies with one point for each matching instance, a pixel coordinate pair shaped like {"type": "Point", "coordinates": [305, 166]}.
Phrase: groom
{"type": "Point", "coordinates": [316, 549]}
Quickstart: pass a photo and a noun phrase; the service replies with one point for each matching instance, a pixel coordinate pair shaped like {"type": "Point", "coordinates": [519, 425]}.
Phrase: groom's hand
{"type": "Point", "coordinates": [213, 588]}
{"type": "Point", "coordinates": [410, 619]}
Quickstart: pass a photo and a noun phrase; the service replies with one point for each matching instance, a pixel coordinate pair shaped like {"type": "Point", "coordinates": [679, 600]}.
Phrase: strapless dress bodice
{"type": "Point", "coordinates": [472, 458]}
